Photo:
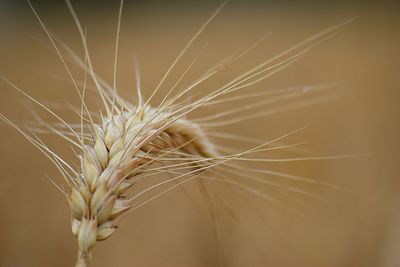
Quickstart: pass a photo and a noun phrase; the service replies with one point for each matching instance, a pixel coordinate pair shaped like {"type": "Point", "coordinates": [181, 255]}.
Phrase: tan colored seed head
{"type": "Point", "coordinates": [111, 160]}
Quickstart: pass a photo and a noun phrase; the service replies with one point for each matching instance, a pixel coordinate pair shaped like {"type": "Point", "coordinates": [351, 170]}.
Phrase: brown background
{"type": "Point", "coordinates": [356, 230]}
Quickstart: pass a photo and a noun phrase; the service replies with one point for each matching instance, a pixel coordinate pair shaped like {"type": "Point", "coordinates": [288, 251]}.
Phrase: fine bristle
{"type": "Point", "coordinates": [126, 143]}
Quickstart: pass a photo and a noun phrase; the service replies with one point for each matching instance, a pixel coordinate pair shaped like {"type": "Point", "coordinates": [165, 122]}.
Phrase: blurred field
{"type": "Point", "coordinates": [357, 230]}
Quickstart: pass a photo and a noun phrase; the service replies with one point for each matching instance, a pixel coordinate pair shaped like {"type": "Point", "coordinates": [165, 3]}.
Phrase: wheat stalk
{"type": "Point", "coordinates": [133, 142]}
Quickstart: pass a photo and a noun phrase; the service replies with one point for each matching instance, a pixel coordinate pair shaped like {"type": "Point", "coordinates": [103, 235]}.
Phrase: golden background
{"type": "Point", "coordinates": [176, 230]}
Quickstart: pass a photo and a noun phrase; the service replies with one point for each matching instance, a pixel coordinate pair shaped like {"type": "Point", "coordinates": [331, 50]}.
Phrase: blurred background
{"type": "Point", "coordinates": [363, 57]}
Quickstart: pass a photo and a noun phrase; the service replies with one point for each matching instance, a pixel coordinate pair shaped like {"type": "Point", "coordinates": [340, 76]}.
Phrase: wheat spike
{"type": "Point", "coordinates": [121, 145]}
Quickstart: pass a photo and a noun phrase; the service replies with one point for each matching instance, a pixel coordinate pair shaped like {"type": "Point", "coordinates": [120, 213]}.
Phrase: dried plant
{"type": "Point", "coordinates": [132, 142]}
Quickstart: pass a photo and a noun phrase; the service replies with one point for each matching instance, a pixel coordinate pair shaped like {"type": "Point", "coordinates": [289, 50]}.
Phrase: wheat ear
{"type": "Point", "coordinates": [116, 154]}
